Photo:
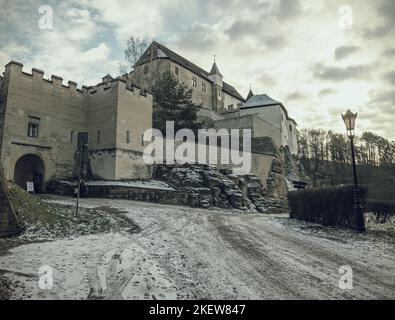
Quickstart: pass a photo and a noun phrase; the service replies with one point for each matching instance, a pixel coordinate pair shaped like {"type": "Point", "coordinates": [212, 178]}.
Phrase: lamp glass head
{"type": "Point", "coordinates": [349, 120]}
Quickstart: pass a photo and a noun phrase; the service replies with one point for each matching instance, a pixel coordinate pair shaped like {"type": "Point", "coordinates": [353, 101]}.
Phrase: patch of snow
{"type": "Point", "coordinates": [152, 184]}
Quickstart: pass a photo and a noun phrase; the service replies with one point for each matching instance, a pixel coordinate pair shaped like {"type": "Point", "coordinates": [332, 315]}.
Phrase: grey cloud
{"type": "Point", "coordinates": [386, 8]}
{"type": "Point", "coordinates": [389, 53]}
{"type": "Point", "coordinates": [345, 51]}
{"type": "Point", "coordinates": [377, 32]}
{"type": "Point", "coordinates": [288, 9]}
{"type": "Point", "coordinates": [198, 37]}
{"type": "Point", "coordinates": [338, 74]}
{"type": "Point", "coordinates": [275, 42]}
{"type": "Point", "coordinates": [241, 28]}
{"type": "Point", "coordinates": [384, 97]}
{"type": "Point", "coordinates": [296, 95]}
{"type": "Point", "coordinates": [390, 77]}
{"type": "Point", "coordinates": [266, 79]}
{"type": "Point", "coordinates": [326, 92]}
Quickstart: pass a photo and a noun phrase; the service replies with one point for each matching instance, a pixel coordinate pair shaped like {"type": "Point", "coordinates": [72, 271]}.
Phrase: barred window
{"type": "Point", "coordinates": [33, 127]}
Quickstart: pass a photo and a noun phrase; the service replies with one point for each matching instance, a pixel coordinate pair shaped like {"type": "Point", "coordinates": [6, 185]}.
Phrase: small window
{"type": "Point", "coordinates": [98, 136]}
{"type": "Point", "coordinates": [290, 128]}
{"type": "Point", "coordinates": [219, 95]}
{"type": "Point", "coordinates": [176, 71]}
{"type": "Point", "coordinates": [33, 126]}
{"type": "Point", "coordinates": [194, 82]}
{"type": "Point", "coordinates": [145, 69]}
{"type": "Point", "coordinates": [142, 140]}
{"type": "Point", "coordinates": [71, 136]}
{"type": "Point", "coordinates": [128, 136]}
{"type": "Point", "coordinates": [203, 86]}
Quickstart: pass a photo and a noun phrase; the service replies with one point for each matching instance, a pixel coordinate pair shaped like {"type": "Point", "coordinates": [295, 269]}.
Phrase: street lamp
{"type": "Point", "coordinates": [349, 120]}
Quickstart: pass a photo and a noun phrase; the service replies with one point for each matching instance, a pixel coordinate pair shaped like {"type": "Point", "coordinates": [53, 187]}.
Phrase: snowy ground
{"type": "Point", "coordinates": [183, 253]}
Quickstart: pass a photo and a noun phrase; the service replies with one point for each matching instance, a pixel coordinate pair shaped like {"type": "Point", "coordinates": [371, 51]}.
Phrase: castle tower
{"type": "Point", "coordinates": [216, 77]}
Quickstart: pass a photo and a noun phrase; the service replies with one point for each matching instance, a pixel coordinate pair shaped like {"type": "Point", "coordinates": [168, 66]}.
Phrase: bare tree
{"type": "Point", "coordinates": [135, 47]}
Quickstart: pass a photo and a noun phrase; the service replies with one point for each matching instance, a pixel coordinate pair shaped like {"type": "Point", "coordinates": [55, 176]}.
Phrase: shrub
{"type": "Point", "coordinates": [329, 206]}
{"type": "Point", "coordinates": [381, 209]}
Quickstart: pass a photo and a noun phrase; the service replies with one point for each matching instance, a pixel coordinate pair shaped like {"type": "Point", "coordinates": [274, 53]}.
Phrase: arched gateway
{"type": "Point", "coordinates": [30, 168]}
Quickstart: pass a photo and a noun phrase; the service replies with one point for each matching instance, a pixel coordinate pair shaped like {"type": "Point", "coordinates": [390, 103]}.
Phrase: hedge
{"type": "Point", "coordinates": [328, 206]}
{"type": "Point", "coordinates": [381, 209]}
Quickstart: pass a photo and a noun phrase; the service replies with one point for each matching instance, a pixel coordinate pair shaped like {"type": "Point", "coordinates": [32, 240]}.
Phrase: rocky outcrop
{"type": "Point", "coordinates": [216, 188]}
{"type": "Point", "coordinates": [210, 186]}
{"type": "Point", "coordinates": [275, 197]}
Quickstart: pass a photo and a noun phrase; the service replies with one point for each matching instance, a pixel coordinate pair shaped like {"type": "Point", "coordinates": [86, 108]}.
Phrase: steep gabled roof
{"type": "Point", "coordinates": [215, 70]}
{"type": "Point", "coordinates": [163, 52]}
{"type": "Point", "coordinates": [263, 100]}
{"type": "Point", "coordinates": [260, 100]}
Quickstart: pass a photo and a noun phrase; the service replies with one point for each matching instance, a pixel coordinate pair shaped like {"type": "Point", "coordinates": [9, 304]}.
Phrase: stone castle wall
{"type": "Point", "coordinates": [63, 112]}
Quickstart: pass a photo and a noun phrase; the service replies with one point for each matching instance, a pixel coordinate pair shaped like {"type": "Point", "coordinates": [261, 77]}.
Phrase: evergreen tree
{"type": "Point", "coordinates": [173, 102]}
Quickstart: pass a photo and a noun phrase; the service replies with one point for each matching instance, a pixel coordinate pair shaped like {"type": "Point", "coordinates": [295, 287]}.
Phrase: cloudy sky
{"type": "Point", "coordinates": [319, 57]}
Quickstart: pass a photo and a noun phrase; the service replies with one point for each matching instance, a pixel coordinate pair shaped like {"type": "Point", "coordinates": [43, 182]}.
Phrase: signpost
{"type": "Point", "coordinates": [30, 187]}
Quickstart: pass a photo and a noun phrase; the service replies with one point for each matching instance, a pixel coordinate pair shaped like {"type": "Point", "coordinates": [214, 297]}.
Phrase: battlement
{"type": "Point", "coordinates": [15, 67]}
{"type": "Point", "coordinates": [107, 83]}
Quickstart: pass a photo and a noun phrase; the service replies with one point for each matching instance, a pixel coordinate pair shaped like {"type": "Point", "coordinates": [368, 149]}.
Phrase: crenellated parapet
{"type": "Point", "coordinates": [108, 83]}
{"type": "Point", "coordinates": [14, 68]}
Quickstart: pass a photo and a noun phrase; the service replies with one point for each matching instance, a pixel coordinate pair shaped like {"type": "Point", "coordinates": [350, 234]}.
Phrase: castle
{"type": "Point", "coordinates": [219, 100]}
{"type": "Point", "coordinates": [44, 122]}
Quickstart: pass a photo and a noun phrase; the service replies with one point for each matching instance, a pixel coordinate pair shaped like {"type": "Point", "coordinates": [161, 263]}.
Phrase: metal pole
{"type": "Point", "coordinates": [358, 208]}
{"type": "Point", "coordinates": [78, 196]}
{"type": "Point", "coordinates": [79, 179]}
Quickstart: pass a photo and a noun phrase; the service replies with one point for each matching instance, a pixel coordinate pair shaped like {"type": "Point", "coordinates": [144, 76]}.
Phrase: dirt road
{"type": "Point", "coordinates": [200, 254]}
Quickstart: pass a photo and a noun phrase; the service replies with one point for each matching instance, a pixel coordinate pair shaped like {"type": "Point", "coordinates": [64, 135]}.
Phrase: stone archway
{"type": "Point", "coordinates": [30, 168]}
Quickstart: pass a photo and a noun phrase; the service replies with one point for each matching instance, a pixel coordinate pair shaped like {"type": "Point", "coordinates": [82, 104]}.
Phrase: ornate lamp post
{"type": "Point", "coordinates": [349, 120]}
